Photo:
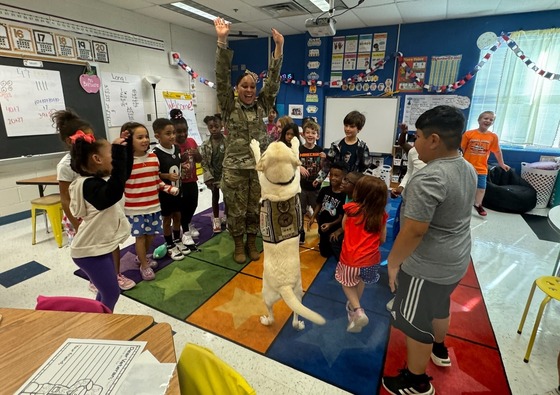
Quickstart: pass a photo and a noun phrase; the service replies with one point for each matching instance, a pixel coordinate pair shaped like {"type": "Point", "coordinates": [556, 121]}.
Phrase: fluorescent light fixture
{"type": "Point", "coordinates": [193, 10]}
{"type": "Point", "coordinates": [323, 5]}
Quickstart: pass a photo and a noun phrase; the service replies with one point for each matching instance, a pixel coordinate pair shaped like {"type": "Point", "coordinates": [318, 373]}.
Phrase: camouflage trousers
{"type": "Point", "coordinates": [242, 193]}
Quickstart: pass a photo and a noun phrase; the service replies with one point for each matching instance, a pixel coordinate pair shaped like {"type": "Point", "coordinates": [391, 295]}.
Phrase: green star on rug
{"type": "Point", "coordinates": [179, 280]}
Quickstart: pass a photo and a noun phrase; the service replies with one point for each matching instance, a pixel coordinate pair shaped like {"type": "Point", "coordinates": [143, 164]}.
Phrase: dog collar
{"type": "Point", "coordinates": [281, 183]}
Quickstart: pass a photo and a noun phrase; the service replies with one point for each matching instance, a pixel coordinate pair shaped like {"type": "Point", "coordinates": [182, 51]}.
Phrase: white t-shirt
{"type": "Point", "coordinates": [63, 170]}
{"type": "Point", "coordinates": [414, 164]}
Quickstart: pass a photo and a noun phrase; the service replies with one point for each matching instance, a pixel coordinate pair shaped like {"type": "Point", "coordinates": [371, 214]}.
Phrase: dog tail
{"type": "Point", "coordinates": [292, 301]}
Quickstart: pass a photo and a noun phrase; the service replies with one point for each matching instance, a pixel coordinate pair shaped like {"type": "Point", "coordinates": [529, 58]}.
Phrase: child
{"type": "Point", "coordinates": [476, 146]}
{"type": "Point", "coordinates": [364, 228]}
{"type": "Point", "coordinates": [67, 123]}
{"type": "Point", "coordinates": [169, 157]}
{"type": "Point", "coordinates": [213, 152]}
{"type": "Point", "coordinates": [289, 131]}
{"type": "Point", "coordinates": [189, 180]}
{"type": "Point", "coordinates": [432, 250]}
{"type": "Point", "coordinates": [271, 128]}
{"type": "Point", "coordinates": [141, 205]}
{"type": "Point", "coordinates": [96, 201]}
{"type": "Point", "coordinates": [310, 156]}
{"type": "Point", "coordinates": [350, 149]}
{"type": "Point", "coordinates": [328, 210]}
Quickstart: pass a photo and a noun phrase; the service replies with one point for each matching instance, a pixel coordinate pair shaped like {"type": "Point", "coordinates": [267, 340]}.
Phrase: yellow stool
{"type": "Point", "coordinates": [53, 208]}
{"type": "Point", "coordinates": [550, 285]}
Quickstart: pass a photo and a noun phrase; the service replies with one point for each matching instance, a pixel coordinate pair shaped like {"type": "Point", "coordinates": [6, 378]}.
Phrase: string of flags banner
{"type": "Point", "coordinates": [411, 74]}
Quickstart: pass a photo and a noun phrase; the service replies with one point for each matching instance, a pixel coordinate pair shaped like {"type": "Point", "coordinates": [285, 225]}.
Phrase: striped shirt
{"type": "Point", "coordinates": [141, 189]}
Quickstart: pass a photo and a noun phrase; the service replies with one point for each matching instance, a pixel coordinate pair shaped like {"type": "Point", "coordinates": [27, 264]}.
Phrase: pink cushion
{"type": "Point", "coordinates": [70, 303]}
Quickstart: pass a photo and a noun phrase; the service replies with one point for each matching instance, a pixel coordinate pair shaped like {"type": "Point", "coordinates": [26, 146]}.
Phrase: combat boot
{"type": "Point", "coordinates": [239, 253]}
{"type": "Point", "coordinates": [254, 254]}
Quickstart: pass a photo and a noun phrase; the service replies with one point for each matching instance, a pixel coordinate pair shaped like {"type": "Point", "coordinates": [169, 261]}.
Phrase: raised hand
{"type": "Point", "coordinates": [277, 37]}
{"type": "Point", "coordinates": [222, 28]}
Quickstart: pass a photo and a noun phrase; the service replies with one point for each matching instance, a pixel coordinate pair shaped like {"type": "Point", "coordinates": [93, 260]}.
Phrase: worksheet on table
{"type": "Point", "coordinates": [84, 365]}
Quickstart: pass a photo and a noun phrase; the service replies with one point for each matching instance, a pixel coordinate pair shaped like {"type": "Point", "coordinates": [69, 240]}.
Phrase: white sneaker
{"type": "Point", "coordinates": [193, 231]}
{"type": "Point", "coordinates": [183, 248]}
{"type": "Point", "coordinates": [216, 225]}
{"type": "Point", "coordinates": [187, 240]}
{"type": "Point", "coordinates": [175, 253]}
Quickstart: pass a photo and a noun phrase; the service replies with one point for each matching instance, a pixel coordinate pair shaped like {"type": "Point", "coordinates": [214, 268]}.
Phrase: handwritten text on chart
{"type": "Point", "coordinates": [29, 98]}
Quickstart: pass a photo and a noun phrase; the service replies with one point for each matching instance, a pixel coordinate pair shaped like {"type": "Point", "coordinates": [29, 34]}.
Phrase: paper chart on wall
{"type": "Point", "coordinates": [29, 97]}
{"type": "Point", "coordinates": [184, 102]}
{"type": "Point", "coordinates": [82, 366]}
{"type": "Point", "coordinates": [416, 105]}
{"type": "Point", "coordinates": [122, 95]}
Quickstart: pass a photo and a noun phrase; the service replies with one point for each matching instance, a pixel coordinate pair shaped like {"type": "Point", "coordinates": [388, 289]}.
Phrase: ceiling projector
{"type": "Point", "coordinates": [320, 27]}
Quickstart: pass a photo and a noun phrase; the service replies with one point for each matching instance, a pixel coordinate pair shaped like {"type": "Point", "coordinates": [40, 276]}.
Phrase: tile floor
{"type": "Point", "coordinates": [507, 254]}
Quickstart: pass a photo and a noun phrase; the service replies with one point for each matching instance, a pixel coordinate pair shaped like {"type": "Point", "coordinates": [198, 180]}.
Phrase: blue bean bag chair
{"type": "Point", "coordinates": [507, 192]}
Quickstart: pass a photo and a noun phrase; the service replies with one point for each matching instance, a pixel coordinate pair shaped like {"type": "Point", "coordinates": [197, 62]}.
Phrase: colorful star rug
{"type": "Point", "coordinates": [209, 290]}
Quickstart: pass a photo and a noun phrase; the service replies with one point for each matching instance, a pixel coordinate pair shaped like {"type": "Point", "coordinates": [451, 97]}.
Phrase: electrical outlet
{"type": "Point", "coordinates": [149, 117]}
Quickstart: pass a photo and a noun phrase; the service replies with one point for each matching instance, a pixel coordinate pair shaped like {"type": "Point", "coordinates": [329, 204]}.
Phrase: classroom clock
{"type": "Point", "coordinates": [486, 39]}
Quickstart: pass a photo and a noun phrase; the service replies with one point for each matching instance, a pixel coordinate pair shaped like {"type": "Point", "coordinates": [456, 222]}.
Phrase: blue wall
{"type": "Point", "coordinates": [448, 37]}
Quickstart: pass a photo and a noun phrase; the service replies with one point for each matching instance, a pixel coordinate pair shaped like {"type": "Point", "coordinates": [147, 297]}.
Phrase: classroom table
{"type": "Point", "coordinates": [29, 337]}
{"type": "Point", "coordinates": [554, 220]}
{"type": "Point", "coordinates": [41, 182]}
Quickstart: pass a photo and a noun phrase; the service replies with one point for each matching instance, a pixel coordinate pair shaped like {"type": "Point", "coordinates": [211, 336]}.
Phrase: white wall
{"type": "Point", "coordinates": [196, 49]}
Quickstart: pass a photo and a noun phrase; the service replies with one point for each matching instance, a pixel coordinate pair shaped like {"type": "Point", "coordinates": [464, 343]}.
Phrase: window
{"type": "Point", "coordinates": [527, 105]}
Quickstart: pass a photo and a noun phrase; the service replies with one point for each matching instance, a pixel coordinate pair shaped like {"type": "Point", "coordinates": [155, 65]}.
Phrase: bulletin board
{"type": "Point", "coordinates": [51, 87]}
{"type": "Point", "coordinates": [381, 121]}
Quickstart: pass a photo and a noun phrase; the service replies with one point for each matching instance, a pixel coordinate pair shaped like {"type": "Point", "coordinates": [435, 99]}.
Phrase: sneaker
{"type": "Point", "coordinates": [440, 356]}
{"type": "Point", "coordinates": [125, 283]}
{"type": "Point", "coordinates": [187, 239]}
{"type": "Point", "coordinates": [175, 253]}
{"type": "Point", "coordinates": [480, 210]}
{"type": "Point", "coordinates": [183, 248]}
{"type": "Point", "coordinates": [216, 225]}
{"type": "Point", "coordinates": [92, 288]}
{"type": "Point", "coordinates": [405, 383]}
{"type": "Point", "coordinates": [153, 264]}
{"type": "Point", "coordinates": [193, 231]}
{"type": "Point", "coordinates": [389, 305]}
{"type": "Point", "coordinates": [359, 320]}
{"type": "Point", "coordinates": [147, 274]}
{"type": "Point", "coordinates": [302, 237]}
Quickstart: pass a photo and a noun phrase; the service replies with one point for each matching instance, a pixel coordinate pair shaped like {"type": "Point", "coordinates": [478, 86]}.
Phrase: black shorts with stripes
{"type": "Point", "coordinates": [417, 303]}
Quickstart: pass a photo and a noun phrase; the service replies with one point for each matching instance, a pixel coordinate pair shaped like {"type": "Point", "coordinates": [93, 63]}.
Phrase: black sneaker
{"type": "Point", "coordinates": [440, 356]}
{"type": "Point", "coordinates": [302, 237]}
{"type": "Point", "coordinates": [407, 383]}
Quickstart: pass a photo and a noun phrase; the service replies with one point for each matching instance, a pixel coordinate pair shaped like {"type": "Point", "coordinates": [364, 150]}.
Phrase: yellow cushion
{"type": "Point", "coordinates": [202, 372]}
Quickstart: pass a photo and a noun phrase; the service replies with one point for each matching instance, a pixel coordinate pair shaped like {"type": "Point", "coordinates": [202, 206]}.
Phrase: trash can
{"type": "Point", "coordinates": [542, 180]}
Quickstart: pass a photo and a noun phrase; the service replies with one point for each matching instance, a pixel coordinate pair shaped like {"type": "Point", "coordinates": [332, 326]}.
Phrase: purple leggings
{"type": "Point", "coordinates": [101, 272]}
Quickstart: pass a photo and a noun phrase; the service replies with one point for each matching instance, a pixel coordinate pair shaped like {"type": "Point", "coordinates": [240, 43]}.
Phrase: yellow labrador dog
{"type": "Point", "coordinates": [280, 222]}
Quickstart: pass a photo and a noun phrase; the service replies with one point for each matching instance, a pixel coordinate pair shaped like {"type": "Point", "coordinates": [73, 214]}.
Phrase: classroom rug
{"type": "Point", "coordinates": [476, 362]}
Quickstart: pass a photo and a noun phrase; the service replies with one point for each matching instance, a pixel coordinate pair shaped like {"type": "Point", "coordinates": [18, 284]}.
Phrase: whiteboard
{"type": "Point", "coordinates": [29, 97]}
{"type": "Point", "coordinates": [122, 94]}
{"type": "Point", "coordinates": [381, 121]}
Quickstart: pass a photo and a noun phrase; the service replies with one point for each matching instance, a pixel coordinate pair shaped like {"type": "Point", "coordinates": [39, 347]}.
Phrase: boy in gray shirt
{"type": "Point", "coordinates": [432, 250]}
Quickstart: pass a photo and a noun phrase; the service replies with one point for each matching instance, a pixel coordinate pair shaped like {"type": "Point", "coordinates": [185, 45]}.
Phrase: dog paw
{"type": "Point", "coordinates": [266, 320]}
{"type": "Point", "coordinates": [256, 148]}
{"type": "Point", "coordinates": [299, 325]}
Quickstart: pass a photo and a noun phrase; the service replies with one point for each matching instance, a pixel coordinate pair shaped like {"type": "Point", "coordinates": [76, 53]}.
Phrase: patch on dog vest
{"type": "Point", "coordinates": [280, 220]}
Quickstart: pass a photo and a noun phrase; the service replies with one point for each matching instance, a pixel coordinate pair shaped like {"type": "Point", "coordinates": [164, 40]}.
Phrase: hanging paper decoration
{"type": "Point", "coordinates": [528, 62]}
{"type": "Point", "coordinates": [191, 72]}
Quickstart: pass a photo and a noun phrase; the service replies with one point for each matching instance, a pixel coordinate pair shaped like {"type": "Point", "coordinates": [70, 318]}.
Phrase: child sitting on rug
{"type": "Point", "coordinates": [141, 201]}
{"type": "Point", "coordinates": [328, 210]}
{"type": "Point", "coordinates": [364, 224]}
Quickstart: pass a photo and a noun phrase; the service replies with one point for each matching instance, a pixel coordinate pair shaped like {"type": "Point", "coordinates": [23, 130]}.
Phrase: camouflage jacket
{"type": "Point", "coordinates": [243, 122]}
{"type": "Point", "coordinates": [207, 152]}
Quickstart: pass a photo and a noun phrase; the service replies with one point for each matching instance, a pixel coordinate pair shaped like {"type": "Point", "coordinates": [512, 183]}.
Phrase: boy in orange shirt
{"type": "Point", "coordinates": [476, 145]}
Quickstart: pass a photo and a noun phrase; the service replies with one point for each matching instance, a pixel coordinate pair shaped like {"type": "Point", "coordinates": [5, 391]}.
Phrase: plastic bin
{"type": "Point", "coordinates": [542, 180]}
{"type": "Point", "coordinates": [383, 172]}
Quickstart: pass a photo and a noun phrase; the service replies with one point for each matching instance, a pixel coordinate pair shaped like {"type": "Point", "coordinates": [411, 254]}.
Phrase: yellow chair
{"type": "Point", "coordinates": [53, 209]}
{"type": "Point", "coordinates": [201, 372]}
{"type": "Point", "coordinates": [550, 285]}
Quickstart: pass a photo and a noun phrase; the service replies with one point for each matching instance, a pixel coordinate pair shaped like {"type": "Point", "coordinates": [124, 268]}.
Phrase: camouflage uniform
{"type": "Point", "coordinates": [212, 159]}
{"type": "Point", "coordinates": [240, 184]}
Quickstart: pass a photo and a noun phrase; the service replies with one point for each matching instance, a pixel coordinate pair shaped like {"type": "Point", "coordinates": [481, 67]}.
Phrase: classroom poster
{"type": "Point", "coordinates": [338, 45]}
{"type": "Point", "coordinates": [418, 66]}
{"type": "Point", "coordinates": [336, 79]}
{"type": "Point", "coordinates": [29, 97]}
{"type": "Point", "coordinates": [337, 62]}
{"type": "Point", "coordinates": [350, 61]}
{"type": "Point", "coordinates": [364, 43]}
{"type": "Point", "coordinates": [122, 96]}
{"type": "Point", "coordinates": [351, 45]}
{"type": "Point", "coordinates": [379, 42]}
{"type": "Point", "coordinates": [363, 61]}
{"type": "Point", "coordinates": [184, 102]}
{"type": "Point", "coordinates": [377, 57]}
{"type": "Point", "coordinates": [444, 70]}
{"type": "Point", "coordinates": [416, 105]}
